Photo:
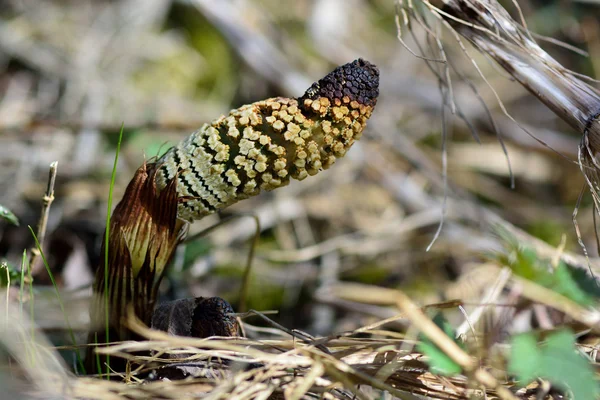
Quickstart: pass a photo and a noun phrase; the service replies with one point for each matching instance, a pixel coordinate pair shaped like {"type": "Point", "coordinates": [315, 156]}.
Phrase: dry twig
{"type": "Point", "coordinates": [34, 259]}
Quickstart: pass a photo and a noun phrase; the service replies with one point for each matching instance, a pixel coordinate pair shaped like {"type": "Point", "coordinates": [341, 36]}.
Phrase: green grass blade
{"type": "Point", "coordinates": [60, 302]}
{"type": "Point", "coordinates": [25, 266]}
{"type": "Point", "coordinates": [22, 282]}
{"type": "Point", "coordinates": [106, 241]}
{"type": "Point", "coordinates": [31, 304]}
{"type": "Point", "coordinates": [98, 366]}
{"type": "Point", "coordinates": [5, 266]}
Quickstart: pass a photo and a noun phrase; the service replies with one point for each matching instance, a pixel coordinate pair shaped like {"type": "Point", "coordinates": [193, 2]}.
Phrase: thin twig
{"type": "Point", "coordinates": [43, 222]}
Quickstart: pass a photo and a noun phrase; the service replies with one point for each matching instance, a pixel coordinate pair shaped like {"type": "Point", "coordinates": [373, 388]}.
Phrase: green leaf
{"type": "Point", "coordinates": [8, 216]}
{"type": "Point", "coordinates": [528, 265]}
{"type": "Point", "coordinates": [525, 263]}
{"type": "Point", "coordinates": [549, 230]}
{"type": "Point", "coordinates": [439, 362]}
{"type": "Point", "coordinates": [565, 284]}
{"type": "Point", "coordinates": [566, 368]}
{"type": "Point", "coordinates": [586, 282]}
{"type": "Point", "coordinates": [448, 329]}
{"type": "Point", "coordinates": [525, 357]}
{"type": "Point", "coordinates": [557, 361]}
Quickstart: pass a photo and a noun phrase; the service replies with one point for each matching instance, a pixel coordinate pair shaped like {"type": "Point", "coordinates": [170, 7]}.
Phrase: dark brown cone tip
{"type": "Point", "coordinates": [359, 80]}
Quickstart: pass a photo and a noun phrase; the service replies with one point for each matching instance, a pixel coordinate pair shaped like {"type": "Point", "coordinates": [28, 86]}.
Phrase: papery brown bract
{"type": "Point", "coordinates": [144, 233]}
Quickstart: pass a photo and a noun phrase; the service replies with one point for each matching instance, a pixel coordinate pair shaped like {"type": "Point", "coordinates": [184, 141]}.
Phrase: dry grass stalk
{"type": "Point", "coordinates": [43, 368]}
{"type": "Point", "coordinates": [284, 367]}
{"type": "Point", "coordinates": [34, 261]}
{"type": "Point", "coordinates": [238, 368]}
{"type": "Point", "coordinates": [428, 327]}
{"type": "Point", "coordinates": [490, 28]}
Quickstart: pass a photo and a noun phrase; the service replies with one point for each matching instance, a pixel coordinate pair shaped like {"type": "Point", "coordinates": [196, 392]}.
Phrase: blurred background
{"type": "Point", "coordinates": [71, 72]}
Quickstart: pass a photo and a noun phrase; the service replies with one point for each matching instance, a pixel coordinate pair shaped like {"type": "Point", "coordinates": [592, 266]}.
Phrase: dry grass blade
{"type": "Point", "coordinates": [39, 365]}
{"type": "Point", "coordinates": [489, 27]}
{"type": "Point", "coordinates": [425, 325]}
{"type": "Point", "coordinates": [303, 370]}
